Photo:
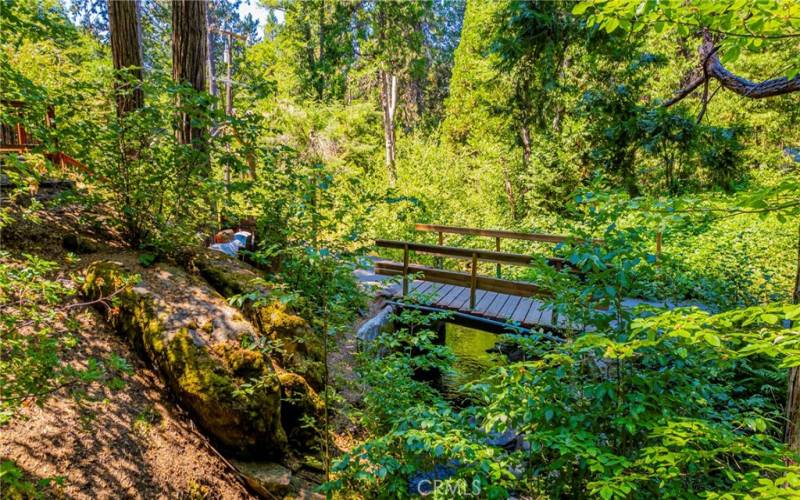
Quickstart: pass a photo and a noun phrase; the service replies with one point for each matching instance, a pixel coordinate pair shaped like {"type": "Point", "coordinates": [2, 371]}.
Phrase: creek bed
{"type": "Point", "coordinates": [473, 361]}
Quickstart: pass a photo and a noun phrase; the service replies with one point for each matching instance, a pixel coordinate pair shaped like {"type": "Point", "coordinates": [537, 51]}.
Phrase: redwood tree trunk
{"type": "Point", "coordinates": [189, 59]}
{"type": "Point", "coordinates": [126, 52]}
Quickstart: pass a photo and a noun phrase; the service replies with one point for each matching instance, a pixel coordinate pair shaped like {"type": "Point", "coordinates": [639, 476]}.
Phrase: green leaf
{"type": "Point", "coordinates": [580, 8]}
{"type": "Point", "coordinates": [712, 339]}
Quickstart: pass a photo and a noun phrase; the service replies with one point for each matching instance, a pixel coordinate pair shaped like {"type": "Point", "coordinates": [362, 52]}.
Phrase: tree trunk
{"type": "Point", "coordinates": [320, 80]}
{"type": "Point", "coordinates": [126, 52]}
{"type": "Point", "coordinates": [389, 105]}
{"type": "Point", "coordinates": [791, 435]}
{"type": "Point", "coordinates": [212, 66]}
{"type": "Point", "coordinates": [509, 189]}
{"type": "Point", "coordinates": [189, 59]}
{"type": "Point", "coordinates": [525, 138]}
{"type": "Point", "coordinates": [626, 161]}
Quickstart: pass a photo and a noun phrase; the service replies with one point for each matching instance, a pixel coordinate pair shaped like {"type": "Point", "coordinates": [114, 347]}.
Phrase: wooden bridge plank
{"type": "Point", "coordinates": [430, 294]}
{"type": "Point", "coordinates": [457, 297]}
{"type": "Point", "coordinates": [547, 317]}
{"type": "Point", "coordinates": [494, 309]}
{"type": "Point", "coordinates": [441, 292]}
{"type": "Point", "coordinates": [478, 296]}
{"type": "Point", "coordinates": [483, 305]}
{"type": "Point", "coordinates": [452, 294]}
{"type": "Point", "coordinates": [521, 311]}
{"type": "Point", "coordinates": [461, 300]}
{"type": "Point", "coordinates": [535, 313]}
{"type": "Point", "coordinates": [423, 288]}
{"type": "Point", "coordinates": [509, 307]}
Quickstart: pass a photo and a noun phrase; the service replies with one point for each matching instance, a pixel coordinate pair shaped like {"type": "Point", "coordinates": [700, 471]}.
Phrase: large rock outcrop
{"type": "Point", "coordinates": [301, 350]}
{"type": "Point", "coordinates": [197, 343]}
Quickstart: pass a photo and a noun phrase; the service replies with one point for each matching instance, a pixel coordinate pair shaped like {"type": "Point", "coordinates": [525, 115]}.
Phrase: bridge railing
{"type": "Point", "coordinates": [498, 236]}
{"type": "Point", "coordinates": [470, 280]}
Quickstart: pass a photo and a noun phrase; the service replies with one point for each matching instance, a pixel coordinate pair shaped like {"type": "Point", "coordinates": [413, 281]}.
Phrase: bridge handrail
{"type": "Point", "coordinates": [464, 279]}
{"type": "Point", "coordinates": [514, 259]}
{"type": "Point", "coordinates": [499, 233]}
{"type": "Point", "coordinates": [460, 278]}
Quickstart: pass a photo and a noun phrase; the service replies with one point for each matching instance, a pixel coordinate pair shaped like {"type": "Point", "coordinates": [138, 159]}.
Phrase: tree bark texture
{"type": "Point", "coordinates": [189, 59]}
{"type": "Point", "coordinates": [711, 67]}
{"type": "Point", "coordinates": [389, 105]}
{"type": "Point", "coordinates": [126, 53]}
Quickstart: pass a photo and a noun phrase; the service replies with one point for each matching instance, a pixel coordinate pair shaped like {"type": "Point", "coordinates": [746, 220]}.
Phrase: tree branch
{"type": "Point", "coordinates": [713, 68]}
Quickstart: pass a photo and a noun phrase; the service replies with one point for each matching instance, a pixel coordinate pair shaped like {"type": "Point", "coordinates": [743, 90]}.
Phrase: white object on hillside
{"type": "Point", "coordinates": [232, 248]}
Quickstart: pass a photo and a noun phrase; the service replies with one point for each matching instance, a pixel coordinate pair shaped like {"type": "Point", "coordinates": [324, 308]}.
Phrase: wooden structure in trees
{"type": "Point", "coordinates": [16, 139]}
{"type": "Point", "coordinates": [469, 292]}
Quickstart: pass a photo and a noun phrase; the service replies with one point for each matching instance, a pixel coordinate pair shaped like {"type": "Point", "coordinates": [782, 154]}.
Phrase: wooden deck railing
{"type": "Point", "coordinates": [469, 280]}
{"type": "Point", "coordinates": [16, 139]}
{"type": "Point", "coordinates": [498, 235]}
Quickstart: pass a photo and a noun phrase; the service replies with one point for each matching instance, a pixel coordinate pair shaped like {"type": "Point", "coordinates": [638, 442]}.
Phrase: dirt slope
{"type": "Point", "coordinates": [126, 442]}
{"type": "Point", "coordinates": [122, 436]}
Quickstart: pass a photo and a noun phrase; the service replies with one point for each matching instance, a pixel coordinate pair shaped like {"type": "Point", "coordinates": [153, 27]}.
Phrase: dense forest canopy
{"type": "Point", "coordinates": [332, 123]}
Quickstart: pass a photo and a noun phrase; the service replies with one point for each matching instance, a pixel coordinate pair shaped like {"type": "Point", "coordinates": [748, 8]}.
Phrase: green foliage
{"type": "Point", "coordinates": [36, 334]}
{"type": "Point", "coordinates": [680, 403]}
{"type": "Point", "coordinates": [751, 26]}
{"type": "Point", "coordinates": [316, 35]}
{"type": "Point", "coordinates": [546, 98]}
{"type": "Point", "coordinates": [14, 484]}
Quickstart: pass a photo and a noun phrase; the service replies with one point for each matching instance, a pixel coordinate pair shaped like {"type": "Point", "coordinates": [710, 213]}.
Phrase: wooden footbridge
{"type": "Point", "coordinates": [468, 292]}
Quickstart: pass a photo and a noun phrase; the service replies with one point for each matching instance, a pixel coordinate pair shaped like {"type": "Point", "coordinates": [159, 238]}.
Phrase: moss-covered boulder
{"type": "Point", "coordinates": [228, 275]}
{"type": "Point", "coordinates": [194, 339]}
{"type": "Point", "coordinates": [302, 408]}
{"type": "Point", "coordinates": [301, 350]}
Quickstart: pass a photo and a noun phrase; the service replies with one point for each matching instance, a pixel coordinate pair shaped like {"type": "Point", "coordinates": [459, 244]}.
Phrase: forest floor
{"type": "Point", "coordinates": [127, 439]}
{"type": "Point", "coordinates": [121, 436]}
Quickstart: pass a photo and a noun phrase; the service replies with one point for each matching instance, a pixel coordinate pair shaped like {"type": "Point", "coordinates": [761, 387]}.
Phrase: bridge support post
{"type": "Point", "coordinates": [405, 269]}
{"type": "Point", "coordinates": [473, 283]}
{"type": "Point", "coordinates": [439, 261]}
{"type": "Point", "coordinates": [497, 266]}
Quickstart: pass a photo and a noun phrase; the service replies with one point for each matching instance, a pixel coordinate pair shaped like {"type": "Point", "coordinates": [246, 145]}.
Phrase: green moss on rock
{"type": "Point", "coordinates": [229, 276]}
{"type": "Point", "coordinates": [301, 406]}
{"type": "Point", "coordinates": [233, 392]}
{"type": "Point", "coordinates": [302, 349]}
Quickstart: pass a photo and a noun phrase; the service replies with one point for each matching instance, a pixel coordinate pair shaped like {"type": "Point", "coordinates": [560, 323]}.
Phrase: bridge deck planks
{"type": "Point", "coordinates": [528, 312]}
{"type": "Point", "coordinates": [463, 298]}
